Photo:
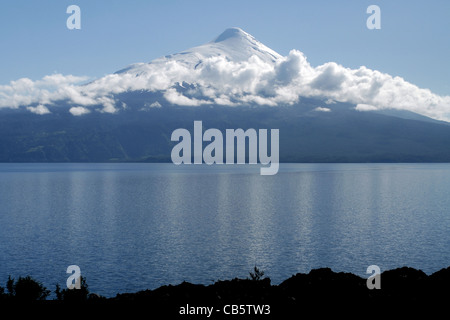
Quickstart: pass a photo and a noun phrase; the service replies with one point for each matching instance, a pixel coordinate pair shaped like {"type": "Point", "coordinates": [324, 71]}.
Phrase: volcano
{"type": "Point", "coordinates": [327, 113]}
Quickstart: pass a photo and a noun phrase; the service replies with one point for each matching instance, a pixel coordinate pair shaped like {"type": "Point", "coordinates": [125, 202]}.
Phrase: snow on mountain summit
{"type": "Point", "coordinates": [232, 33]}
{"type": "Point", "coordinates": [234, 44]}
{"type": "Point", "coordinates": [245, 45]}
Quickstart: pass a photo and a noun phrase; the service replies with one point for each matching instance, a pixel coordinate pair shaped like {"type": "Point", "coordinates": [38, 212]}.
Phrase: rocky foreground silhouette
{"type": "Point", "coordinates": [321, 291]}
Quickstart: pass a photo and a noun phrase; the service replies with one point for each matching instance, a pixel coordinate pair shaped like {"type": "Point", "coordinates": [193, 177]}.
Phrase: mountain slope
{"type": "Point", "coordinates": [306, 135]}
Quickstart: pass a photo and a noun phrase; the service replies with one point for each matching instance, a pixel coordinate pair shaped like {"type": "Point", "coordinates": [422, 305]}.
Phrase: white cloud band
{"type": "Point", "coordinates": [216, 80]}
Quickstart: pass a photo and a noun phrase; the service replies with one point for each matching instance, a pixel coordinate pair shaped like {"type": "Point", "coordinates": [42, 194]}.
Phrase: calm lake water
{"type": "Point", "coordinates": [132, 227]}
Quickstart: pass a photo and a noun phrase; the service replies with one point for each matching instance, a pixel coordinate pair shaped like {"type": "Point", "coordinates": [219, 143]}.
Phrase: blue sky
{"type": "Point", "coordinates": [413, 42]}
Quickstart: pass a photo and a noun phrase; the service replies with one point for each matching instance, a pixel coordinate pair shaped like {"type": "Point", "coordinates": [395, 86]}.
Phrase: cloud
{"type": "Point", "coordinates": [329, 77]}
{"type": "Point", "coordinates": [174, 97]}
{"type": "Point", "coordinates": [155, 104]}
{"type": "Point", "coordinates": [322, 109]}
{"type": "Point", "coordinates": [147, 106]}
{"type": "Point", "coordinates": [217, 80]}
{"type": "Point", "coordinates": [78, 111]}
{"type": "Point", "coordinates": [24, 92]}
{"type": "Point", "coordinates": [365, 107]}
{"type": "Point", "coordinates": [40, 109]}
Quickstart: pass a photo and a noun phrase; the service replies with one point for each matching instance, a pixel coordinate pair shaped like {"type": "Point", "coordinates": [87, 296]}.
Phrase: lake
{"type": "Point", "coordinates": [131, 227]}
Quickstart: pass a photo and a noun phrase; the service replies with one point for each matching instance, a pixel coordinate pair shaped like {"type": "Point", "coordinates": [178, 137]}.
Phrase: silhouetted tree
{"type": "Point", "coordinates": [81, 294]}
{"type": "Point", "coordinates": [26, 289]}
{"type": "Point", "coordinates": [257, 274]}
{"type": "Point", "coordinates": [10, 286]}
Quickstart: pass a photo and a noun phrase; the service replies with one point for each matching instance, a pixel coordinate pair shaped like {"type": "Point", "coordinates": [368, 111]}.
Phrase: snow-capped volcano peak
{"type": "Point", "coordinates": [237, 39]}
{"type": "Point", "coordinates": [233, 33]}
{"type": "Point", "coordinates": [234, 44]}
